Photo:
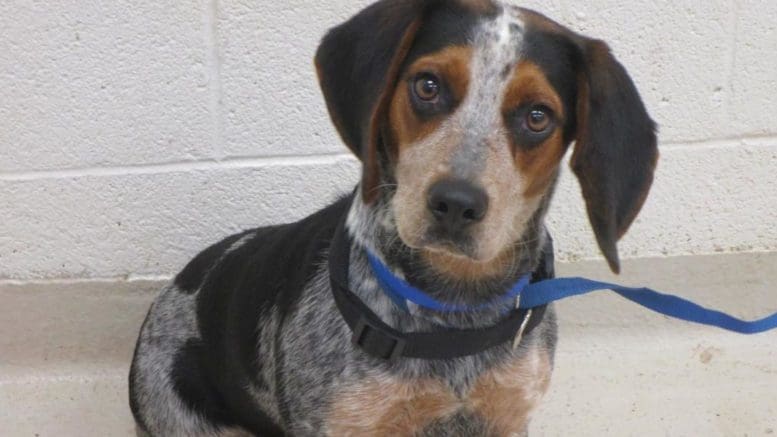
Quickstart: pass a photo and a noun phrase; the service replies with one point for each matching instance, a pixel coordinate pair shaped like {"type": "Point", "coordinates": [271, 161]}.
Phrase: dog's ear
{"type": "Point", "coordinates": [615, 152]}
{"type": "Point", "coordinates": [358, 65]}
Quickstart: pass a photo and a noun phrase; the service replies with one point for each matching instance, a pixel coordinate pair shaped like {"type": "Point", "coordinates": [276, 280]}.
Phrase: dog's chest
{"type": "Point", "coordinates": [498, 403]}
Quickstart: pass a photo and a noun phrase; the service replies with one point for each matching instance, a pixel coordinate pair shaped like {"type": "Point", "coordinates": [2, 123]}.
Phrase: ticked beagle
{"type": "Point", "coordinates": [460, 112]}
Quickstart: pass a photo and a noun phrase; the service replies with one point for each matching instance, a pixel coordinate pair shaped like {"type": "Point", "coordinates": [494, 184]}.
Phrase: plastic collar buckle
{"type": "Point", "coordinates": [363, 329]}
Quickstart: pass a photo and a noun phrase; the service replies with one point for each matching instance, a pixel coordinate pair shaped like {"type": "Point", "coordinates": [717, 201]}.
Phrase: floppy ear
{"type": "Point", "coordinates": [615, 152]}
{"type": "Point", "coordinates": [358, 63]}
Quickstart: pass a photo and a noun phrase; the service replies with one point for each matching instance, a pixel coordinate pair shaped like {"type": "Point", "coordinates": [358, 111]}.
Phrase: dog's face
{"type": "Point", "coordinates": [478, 129]}
{"type": "Point", "coordinates": [464, 110]}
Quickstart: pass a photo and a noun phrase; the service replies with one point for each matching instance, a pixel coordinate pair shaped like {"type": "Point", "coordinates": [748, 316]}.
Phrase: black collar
{"type": "Point", "coordinates": [378, 339]}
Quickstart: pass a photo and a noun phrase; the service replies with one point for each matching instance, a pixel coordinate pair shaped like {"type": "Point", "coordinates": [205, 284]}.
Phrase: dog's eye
{"type": "Point", "coordinates": [538, 119]}
{"type": "Point", "coordinates": [427, 87]}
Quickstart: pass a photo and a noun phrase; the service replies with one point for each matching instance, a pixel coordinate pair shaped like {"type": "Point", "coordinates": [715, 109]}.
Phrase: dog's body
{"type": "Point", "coordinates": [459, 169]}
{"type": "Point", "coordinates": [291, 365]}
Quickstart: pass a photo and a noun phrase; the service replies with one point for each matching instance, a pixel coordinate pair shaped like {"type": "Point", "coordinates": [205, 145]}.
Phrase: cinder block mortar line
{"type": "Point", "coordinates": [165, 278]}
{"type": "Point", "coordinates": [109, 372]}
{"type": "Point", "coordinates": [177, 167]}
{"type": "Point", "coordinates": [211, 35]}
{"type": "Point", "coordinates": [766, 140]}
{"type": "Point", "coordinates": [316, 159]}
{"type": "Point", "coordinates": [126, 279]}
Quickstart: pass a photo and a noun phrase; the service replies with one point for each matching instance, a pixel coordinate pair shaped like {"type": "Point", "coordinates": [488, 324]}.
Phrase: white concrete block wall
{"type": "Point", "coordinates": [132, 134]}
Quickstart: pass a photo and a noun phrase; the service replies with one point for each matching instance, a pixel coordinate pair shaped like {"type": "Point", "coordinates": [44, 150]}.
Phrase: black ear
{"type": "Point", "coordinates": [615, 152]}
{"type": "Point", "coordinates": [358, 63]}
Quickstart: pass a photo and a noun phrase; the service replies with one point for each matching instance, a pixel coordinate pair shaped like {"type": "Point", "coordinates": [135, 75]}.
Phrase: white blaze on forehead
{"type": "Point", "coordinates": [496, 49]}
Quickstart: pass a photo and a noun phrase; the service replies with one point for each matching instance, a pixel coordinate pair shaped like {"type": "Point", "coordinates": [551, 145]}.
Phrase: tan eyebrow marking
{"type": "Point", "coordinates": [538, 164]}
{"type": "Point", "coordinates": [451, 65]}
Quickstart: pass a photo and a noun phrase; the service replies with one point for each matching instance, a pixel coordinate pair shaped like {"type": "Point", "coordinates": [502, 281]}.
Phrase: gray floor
{"type": "Point", "coordinates": [620, 371]}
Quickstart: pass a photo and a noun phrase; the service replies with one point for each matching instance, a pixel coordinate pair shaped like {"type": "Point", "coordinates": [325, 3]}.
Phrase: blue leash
{"type": "Point", "coordinates": [551, 290]}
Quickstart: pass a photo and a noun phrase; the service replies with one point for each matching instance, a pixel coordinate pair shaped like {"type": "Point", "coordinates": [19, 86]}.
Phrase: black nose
{"type": "Point", "coordinates": [457, 204]}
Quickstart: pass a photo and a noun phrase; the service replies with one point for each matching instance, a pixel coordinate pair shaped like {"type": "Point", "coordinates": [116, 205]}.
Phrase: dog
{"type": "Point", "coordinates": [460, 112]}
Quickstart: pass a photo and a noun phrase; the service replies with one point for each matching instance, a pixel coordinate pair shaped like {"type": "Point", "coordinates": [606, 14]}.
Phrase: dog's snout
{"type": "Point", "coordinates": [457, 204]}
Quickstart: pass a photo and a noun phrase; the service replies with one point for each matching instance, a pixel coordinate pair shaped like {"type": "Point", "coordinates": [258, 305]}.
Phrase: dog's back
{"type": "Point", "coordinates": [190, 374]}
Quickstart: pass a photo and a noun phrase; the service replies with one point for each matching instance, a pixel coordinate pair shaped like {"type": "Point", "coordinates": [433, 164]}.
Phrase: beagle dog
{"type": "Point", "coordinates": [460, 112]}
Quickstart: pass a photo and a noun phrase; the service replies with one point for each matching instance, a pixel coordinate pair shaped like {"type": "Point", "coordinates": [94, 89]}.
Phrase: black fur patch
{"type": "Point", "coordinates": [616, 151]}
{"type": "Point", "coordinates": [561, 61]}
{"type": "Point", "coordinates": [270, 269]}
{"type": "Point", "coordinates": [194, 386]}
{"type": "Point", "coordinates": [353, 61]}
{"type": "Point", "coordinates": [191, 277]}
{"type": "Point", "coordinates": [448, 24]}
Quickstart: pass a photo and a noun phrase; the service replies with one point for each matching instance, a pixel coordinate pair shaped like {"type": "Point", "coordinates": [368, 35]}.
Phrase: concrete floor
{"type": "Point", "coordinates": [620, 370]}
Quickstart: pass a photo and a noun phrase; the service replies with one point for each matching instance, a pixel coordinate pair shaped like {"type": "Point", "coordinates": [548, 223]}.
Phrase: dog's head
{"type": "Point", "coordinates": [463, 110]}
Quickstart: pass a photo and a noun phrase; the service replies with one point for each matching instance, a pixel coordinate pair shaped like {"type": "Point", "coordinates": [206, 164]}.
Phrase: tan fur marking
{"type": "Point", "coordinates": [452, 66]}
{"type": "Point", "coordinates": [467, 269]}
{"type": "Point", "coordinates": [406, 127]}
{"type": "Point", "coordinates": [530, 85]}
{"type": "Point", "coordinates": [538, 165]}
{"type": "Point", "coordinates": [384, 407]}
{"type": "Point", "coordinates": [507, 396]}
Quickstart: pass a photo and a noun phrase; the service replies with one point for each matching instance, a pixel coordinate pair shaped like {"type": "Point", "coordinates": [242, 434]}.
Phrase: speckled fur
{"type": "Point", "coordinates": [171, 322]}
{"type": "Point", "coordinates": [312, 377]}
{"type": "Point", "coordinates": [315, 364]}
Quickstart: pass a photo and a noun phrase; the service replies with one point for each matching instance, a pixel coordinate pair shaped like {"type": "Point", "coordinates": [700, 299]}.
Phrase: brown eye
{"type": "Point", "coordinates": [537, 120]}
{"type": "Point", "coordinates": [427, 87]}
